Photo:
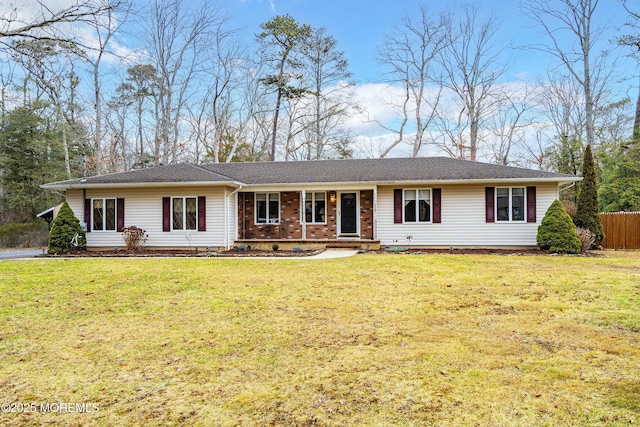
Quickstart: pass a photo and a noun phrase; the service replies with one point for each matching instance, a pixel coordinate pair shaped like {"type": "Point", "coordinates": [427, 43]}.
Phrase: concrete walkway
{"type": "Point", "coordinates": [327, 254]}
{"type": "Point", "coordinates": [333, 253]}
{"type": "Point", "coordinates": [27, 253]}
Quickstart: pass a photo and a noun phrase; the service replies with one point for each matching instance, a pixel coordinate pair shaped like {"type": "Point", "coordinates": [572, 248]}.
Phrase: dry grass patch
{"type": "Point", "coordinates": [369, 340]}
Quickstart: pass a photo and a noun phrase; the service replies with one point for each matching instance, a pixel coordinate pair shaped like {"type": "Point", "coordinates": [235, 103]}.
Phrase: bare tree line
{"type": "Point", "coordinates": [457, 99]}
{"type": "Point", "coordinates": [194, 92]}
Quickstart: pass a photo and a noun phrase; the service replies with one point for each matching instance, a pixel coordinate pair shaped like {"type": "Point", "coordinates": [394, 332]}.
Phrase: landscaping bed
{"type": "Point", "coordinates": [189, 253]}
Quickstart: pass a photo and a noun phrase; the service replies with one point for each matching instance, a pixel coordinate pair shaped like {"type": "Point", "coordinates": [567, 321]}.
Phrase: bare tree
{"type": "Point", "coordinates": [141, 84]}
{"type": "Point", "coordinates": [104, 27]}
{"type": "Point", "coordinates": [46, 23]}
{"type": "Point", "coordinates": [213, 116]}
{"type": "Point", "coordinates": [473, 63]}
{"type": "Point", "coordinates": [327, 77]}
{"type": "Point", "coordinates": [7, 69]}
{"type": "Point", "coordinates": [633, 40]}
{"type": "Point", "coordinates": [118, 111]}
{"type": "Point", "coordinates": [49, 65]}
{"type": "Point", "coordinates": [510, 123]}
{"type": "Point", "coordinates": [573, 20]}
{"type": "Point", "coordinates": [410, 55]}
{"type": "Point", "coordinates": [176, 38]}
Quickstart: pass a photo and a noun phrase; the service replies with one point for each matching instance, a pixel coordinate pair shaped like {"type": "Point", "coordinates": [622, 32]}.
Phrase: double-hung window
{"type": "Point", "coordinates": [184, 213]}
{"type": "Point", "coordinates": [267, 208]}
{"type": "Point", "coordinates": [315, 207]}
{"type": "Point", "coordinates": [510, 204]}
{"type": "Point", "coordinates": [104, 214]}
{"type": "Point", "coordinates": [417, 205]}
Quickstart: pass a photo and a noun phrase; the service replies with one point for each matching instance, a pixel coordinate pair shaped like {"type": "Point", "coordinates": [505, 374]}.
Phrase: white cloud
{"type": "Point", "coordinates": [375, 101]}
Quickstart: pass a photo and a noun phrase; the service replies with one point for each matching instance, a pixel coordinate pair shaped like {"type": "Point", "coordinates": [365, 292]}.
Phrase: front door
{"type": "Point", "coordinates": [348, 213]}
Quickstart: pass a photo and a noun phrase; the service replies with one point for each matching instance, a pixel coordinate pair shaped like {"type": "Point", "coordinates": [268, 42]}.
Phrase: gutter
{"type": "Point", "coordinates": [84, 185]}
{"type": "Point", "coordinates": [323, 184]}
{"type": "Point", "coordinates": [368, 184]}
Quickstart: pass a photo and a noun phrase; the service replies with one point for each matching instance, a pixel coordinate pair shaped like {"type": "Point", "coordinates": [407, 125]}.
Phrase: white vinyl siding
{"type": "Point", "coordinates": [143, 208]}
{"type": "Point", "coordinates": [463, 220]}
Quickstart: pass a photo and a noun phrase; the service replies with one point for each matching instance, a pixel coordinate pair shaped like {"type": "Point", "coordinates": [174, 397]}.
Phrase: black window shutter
{"type": "Point", "coordinates": [489, 203]}
{"type": "Point", "coordinates": [397, 206]}
{"type": "Point", "coordinates": [437, 205]}
{"type": "Point", "coordinates": [87, 213]}
{"type": "Point", "coordinates": [202, 213]}
{"type": "Point", "coordinates": [120, 214]}
{"type": "Point", "coordinates": [531, 204]}
{"type": "Point", "coordinates": [166, 214]}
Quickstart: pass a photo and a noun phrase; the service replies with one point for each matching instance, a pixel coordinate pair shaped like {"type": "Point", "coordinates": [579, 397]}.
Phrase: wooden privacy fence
{"type": "Point", "coordinates": [621, 229]}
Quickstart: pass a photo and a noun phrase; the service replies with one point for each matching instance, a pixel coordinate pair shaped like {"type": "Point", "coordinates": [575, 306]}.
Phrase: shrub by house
{"type": "Point", "coordinates": [556, 232]}
{"type": "Point", "coordinates": [66, 233]}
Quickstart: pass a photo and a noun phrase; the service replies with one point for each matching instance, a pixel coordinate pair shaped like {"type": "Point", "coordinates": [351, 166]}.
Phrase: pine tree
{"type": "Point", "coordinates": [587, 213]}
{"type": "Point", "coordinates": [556, 232]}
{"type": "Point", "coordinates": [64, 228]}
{"type": "Point", "coordinates": [620, 186]}
{"type": "Point", "coordinates": [30, 155]}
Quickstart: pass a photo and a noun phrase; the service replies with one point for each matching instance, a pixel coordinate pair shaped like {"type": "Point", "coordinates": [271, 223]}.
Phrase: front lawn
{"type": "Point", "coordinates": [375, 340]}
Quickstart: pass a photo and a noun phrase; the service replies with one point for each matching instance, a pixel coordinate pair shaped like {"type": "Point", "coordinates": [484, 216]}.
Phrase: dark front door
{"type": "Point", "coordinates": [348, 213]}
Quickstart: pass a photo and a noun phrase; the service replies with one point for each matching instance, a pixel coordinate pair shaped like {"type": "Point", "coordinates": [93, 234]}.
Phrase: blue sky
{"type": "Point", "coordinates": [360, 25]}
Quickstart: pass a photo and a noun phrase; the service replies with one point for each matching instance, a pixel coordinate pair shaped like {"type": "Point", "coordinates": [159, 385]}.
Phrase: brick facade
{"type": "Point", "coordinates": [290, 227]}
{"type": "Point", "coordinates": [366, 214]}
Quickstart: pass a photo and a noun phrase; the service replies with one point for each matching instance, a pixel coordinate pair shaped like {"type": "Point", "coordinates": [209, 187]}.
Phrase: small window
{"type": "Point", "coordinates": [510, 204]}
{"type": "Point", "coordinates": [267, 208]}
{"type": "Point", "coordinates": [315, 208]}
{"type": "Point", "coordinates": [417, 205]}
{"type": "Point", "coordinates": [104, 214]}
{"type": "Point", "coordinates": [184, 213]}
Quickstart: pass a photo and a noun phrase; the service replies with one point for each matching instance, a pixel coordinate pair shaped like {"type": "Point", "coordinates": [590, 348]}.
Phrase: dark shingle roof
{"type": "Point", "coordinates": [374, 170]}
{"type": "Point", "coordinates": [179, 173]}
{"type": "Point", "coordinates": [322, 171]}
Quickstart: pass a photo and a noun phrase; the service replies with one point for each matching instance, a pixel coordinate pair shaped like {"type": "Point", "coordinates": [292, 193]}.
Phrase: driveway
{"type": "Point", "coordinates": [26, 253]}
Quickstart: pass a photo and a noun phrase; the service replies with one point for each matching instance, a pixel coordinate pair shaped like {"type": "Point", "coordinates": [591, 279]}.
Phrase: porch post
{"type": "Point", "coordinates": [302, 214]}
{"type": "Point", "coordinates": [375, 213]}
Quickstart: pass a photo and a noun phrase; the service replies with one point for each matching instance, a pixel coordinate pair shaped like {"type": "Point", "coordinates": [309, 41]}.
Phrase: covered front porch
{"type": "Point", "coordinates": [317, 218]}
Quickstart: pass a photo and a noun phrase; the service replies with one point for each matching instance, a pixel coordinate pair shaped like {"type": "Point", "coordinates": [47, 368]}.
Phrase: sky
{"type": "Point", "coordinates": [360, 26]}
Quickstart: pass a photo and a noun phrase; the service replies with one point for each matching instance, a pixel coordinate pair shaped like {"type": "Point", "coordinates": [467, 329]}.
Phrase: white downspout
{"type": "Point", "coordinates": [227, 230]}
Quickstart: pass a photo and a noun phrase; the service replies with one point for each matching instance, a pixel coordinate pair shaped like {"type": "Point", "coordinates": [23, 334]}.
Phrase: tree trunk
{"type": "Point", "coordinates": [65, 147]}
{"type": "Point", "coordinates": [636, 121]}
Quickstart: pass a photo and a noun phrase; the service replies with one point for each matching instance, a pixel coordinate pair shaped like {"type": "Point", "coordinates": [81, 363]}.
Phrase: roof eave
{"type": "Point", "coordinates": [559, 180]}
{"type": "Point", "coordinates": [84, 185]}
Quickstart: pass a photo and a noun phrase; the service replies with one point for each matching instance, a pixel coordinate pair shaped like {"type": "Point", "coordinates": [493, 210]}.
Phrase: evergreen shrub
{"type": "Point", "coordinates": [62, 238]}
{"type": "Point", "coordinates": [556, 232]}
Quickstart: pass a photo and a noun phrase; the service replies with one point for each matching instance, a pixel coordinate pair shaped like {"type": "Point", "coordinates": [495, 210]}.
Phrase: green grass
{"type": "Point", "coordinates": [373, 340]}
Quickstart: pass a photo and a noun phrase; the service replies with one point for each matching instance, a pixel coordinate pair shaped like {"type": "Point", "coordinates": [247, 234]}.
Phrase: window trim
{"type": "Point", "coordinates": [313, 207]}
{"type": "Point", "coordinates": [184, 213]}
{"type": "Point", "coordinates": [104, 215]}
{"type": "Point", "coordinates": [268, 220]}
{"type": "Point", "coordinates": [510, 209]}
{"type": "Point", "coordinates": [417, 190]}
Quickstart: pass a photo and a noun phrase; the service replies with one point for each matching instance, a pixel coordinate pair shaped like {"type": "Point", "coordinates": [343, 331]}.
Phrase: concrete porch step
{"type": "Point", "coordinates": [344, 245]}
